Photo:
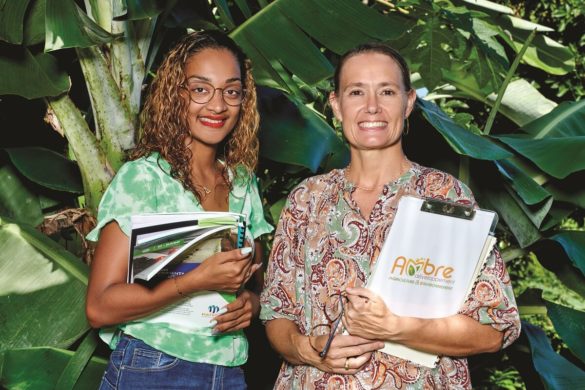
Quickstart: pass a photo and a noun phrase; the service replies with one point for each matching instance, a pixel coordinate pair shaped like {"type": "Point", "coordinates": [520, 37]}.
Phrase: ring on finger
{"type": "Point", "coordinates": [346, 366]}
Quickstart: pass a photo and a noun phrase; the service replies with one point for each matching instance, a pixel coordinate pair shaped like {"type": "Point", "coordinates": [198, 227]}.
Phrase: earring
{"type": "Point", "coordinates": [406, 127]}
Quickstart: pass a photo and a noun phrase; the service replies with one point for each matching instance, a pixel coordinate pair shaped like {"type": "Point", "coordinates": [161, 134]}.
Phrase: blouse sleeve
{"type": "Point", "coordinates": [132, 191]}
{"type": "Point", "coordinates": [279, 298]}
{"type": "Point", "coordinates": [258, 225]}
{"type": "Point", "coordinates": [492, 301]}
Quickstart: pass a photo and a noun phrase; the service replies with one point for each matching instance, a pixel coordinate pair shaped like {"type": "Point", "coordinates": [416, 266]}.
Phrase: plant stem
{"type": "Point", "coordinates": [511, 71]}
{"type": "Point", "coordinates": [464, 169]}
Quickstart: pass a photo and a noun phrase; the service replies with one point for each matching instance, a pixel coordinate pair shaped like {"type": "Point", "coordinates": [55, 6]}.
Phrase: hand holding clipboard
{"type": "Point", "coordinates": [430, 261]}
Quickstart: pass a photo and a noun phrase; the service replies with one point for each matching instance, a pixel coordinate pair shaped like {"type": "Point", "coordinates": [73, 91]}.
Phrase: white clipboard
{"type": "Point", "coordinates": [430, 261]}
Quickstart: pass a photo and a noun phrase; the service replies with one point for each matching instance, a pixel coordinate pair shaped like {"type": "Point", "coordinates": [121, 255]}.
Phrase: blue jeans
{"type": "Point", "coordinates": [136, 365]}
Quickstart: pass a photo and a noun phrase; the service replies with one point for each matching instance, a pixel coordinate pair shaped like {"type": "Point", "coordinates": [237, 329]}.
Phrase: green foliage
{"type": "Point", "coordinates": [567, 17]}
{"type": "Point", "coordinates": [43, 289]}
{"type": "Point", "coordinates": [40, 368]}
{"type": "Point", "coordinates": [556, 372]}
{"type": "Point", "coordinates": [507, 378]}
{"type": "Point", "coordinates": [528, 273]}
{"type": "Point", "coordinates": [460, 51]}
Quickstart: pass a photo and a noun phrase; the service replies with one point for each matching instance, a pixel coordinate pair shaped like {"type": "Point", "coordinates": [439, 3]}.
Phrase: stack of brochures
{"type": "Point", "coordinates": [430, 261]}
{"type": "Point", "coordinates": [170, 244]}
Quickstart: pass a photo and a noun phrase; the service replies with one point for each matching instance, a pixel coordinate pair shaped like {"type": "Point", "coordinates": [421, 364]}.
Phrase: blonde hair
{"type": "Point", "coordinates": [163, 120]}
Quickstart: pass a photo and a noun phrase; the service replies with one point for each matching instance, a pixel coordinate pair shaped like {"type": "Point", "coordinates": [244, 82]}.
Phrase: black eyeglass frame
{"type": "Point", "coordinates": [334, 326]}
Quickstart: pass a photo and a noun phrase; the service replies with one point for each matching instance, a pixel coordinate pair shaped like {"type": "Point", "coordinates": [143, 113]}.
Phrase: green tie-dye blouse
{"type": "Point", "coordinates": [145, 186]}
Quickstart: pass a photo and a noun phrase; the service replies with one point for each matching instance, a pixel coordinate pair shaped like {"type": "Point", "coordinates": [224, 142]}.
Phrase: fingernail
{"type": "Point", "coordinates": [212, 323]}
{"type": "Point", "coordinates": [221, 311]}
{"type": "Point", "coordinates": [246, 251]}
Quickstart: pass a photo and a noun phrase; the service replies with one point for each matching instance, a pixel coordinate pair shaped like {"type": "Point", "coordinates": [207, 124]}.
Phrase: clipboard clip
{"type": "Point", "coordinates": [448, 208]}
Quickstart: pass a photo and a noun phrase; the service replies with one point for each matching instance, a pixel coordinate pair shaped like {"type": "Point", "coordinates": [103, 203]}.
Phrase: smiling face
{"type": "Point", "coordinates": [371, 101]}
{"type": "Point", "coordinates": [209, 123]}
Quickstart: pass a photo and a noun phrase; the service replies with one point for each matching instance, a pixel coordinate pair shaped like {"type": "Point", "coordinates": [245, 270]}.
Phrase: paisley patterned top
{"type": "Point", "coordinates": [323, 244]}
{"type": "Point", "coordinates": [145, 186]}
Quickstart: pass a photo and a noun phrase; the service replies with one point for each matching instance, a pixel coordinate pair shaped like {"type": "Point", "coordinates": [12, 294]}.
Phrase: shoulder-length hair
{"type": "Point", "coordinates": [163, 121]}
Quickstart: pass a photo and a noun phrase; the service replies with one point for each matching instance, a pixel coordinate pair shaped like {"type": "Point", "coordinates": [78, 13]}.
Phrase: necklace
{"type": "Point", "coordinates": [404, 166]}
{"type": "Point", "coordinates": [206, 190]}
{"type": "Point", "coordinates": [367, 188]}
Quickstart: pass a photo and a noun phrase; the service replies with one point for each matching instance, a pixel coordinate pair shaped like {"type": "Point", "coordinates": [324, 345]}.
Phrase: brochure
{"type": "Point", "coordinates": [168, 245]}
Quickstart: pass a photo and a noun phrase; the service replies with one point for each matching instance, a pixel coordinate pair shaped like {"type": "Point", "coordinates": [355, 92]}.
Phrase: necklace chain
{"type": "Point", "coordinates": [405, 165]}
{"type": "Point", "coordinates": [368, 188]}
{"type": "Point", "coordinates": [206, 190]}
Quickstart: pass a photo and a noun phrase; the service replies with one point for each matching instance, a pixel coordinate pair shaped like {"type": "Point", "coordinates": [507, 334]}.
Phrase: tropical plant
{"type": "Point", "coordinates": [521, 153]}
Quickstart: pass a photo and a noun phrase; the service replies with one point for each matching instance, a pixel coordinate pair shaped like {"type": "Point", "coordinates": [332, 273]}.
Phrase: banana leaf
{"type": "Point", "coordinates": [530, 192]}
{"type": "Point", "coordinates": [278, 32]}
{"type": "Point", "coordinates": [461, 140]}
{"type": "Point", "coordinates": [558, 212]}
{"type": "Point", "coordinates": [139, 9]}
{"type": "Point", "coordinates": [543, 53]}
{"type": "Point", "coordinates": [42, 290]}
{"type": "Point", "coordinates": [555, 141]}
{"type": "Point", "coordinates": [566, 120]}
{"type": "Point", "coordinates": [573, 242]}
{"type": "Point", "coordinates": [12, 21]}
{"type": "Point", "coordinates": [77, 363]}
{"type": "Point", "coordinates": [570, 325]}
{"type": "Point", "coordinates": [535, 212]}
{"type": "Point", "coordinates": [293, 133]}
{"type": "Point", "coordinates": [559, 157]}
{"type": "Point", "coordinates": [522, 103]}
{"type": "Point", "coordinates": [66, 25]}
{"type": "Point", "coordinates": [17, 200]}
{"type": "Point", "coordinates": [31, 76]}
{"type": "Point", "coordinates": [570, 189]}
{"type": "Point", "coordinates": [47, 168]}
{"type": "Point", "coordinates": [559, 255]}
{"type": "Point", "coordinates": [512, 214]}
{"type": "Point", "coordinates": [556, 372]}
{"type": "Point", "coordinates": [34, 24]}
{"type": "Point", "coordinates": [40, 368]}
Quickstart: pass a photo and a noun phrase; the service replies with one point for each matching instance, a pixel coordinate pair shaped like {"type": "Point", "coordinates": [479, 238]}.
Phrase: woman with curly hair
{"type": "Point", "coordinates": [197, 152]}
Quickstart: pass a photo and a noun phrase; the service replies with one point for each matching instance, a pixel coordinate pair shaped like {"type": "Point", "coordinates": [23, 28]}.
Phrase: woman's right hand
{"type": "Point", "coordinates": [347, 354]}
{"type": "Point", "coordinates": [224, 271]}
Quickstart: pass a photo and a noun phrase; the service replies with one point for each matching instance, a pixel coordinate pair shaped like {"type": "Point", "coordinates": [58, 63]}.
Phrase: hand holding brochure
{"type": "Point", "coordinates": [430, 261]}
{"type": "Point", "coordinates": [168, 245]}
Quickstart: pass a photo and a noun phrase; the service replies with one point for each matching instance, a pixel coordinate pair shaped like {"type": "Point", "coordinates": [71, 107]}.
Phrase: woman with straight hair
{"type": "Point", "coordinates": [327, 241]}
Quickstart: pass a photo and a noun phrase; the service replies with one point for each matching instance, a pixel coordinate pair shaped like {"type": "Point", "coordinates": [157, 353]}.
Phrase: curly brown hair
{"type": "Point", "coordinates": [164, 125]}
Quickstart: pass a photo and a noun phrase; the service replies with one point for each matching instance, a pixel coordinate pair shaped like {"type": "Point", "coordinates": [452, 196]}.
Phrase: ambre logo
{"type": "Point", "coordinates": [213, 309]}
{"type": "Point", "coordinates": [411, 267]}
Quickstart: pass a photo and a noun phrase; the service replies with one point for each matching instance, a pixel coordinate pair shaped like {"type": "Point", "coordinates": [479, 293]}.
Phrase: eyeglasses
{"type": "Point", "coordinates": [201, 92]}
{"type": "Point", "coordinates": [336, 319]}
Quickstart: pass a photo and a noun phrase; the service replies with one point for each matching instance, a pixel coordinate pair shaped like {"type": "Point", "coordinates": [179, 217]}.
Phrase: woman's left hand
{"type": "Point", "coordinates": [366, 315]}
{"type": "Point", "coordinates": [239, 313]}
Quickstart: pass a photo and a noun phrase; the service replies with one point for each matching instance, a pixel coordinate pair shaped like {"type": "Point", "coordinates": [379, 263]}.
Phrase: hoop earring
{"type": "Point", "coordinates": [406, 127]}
